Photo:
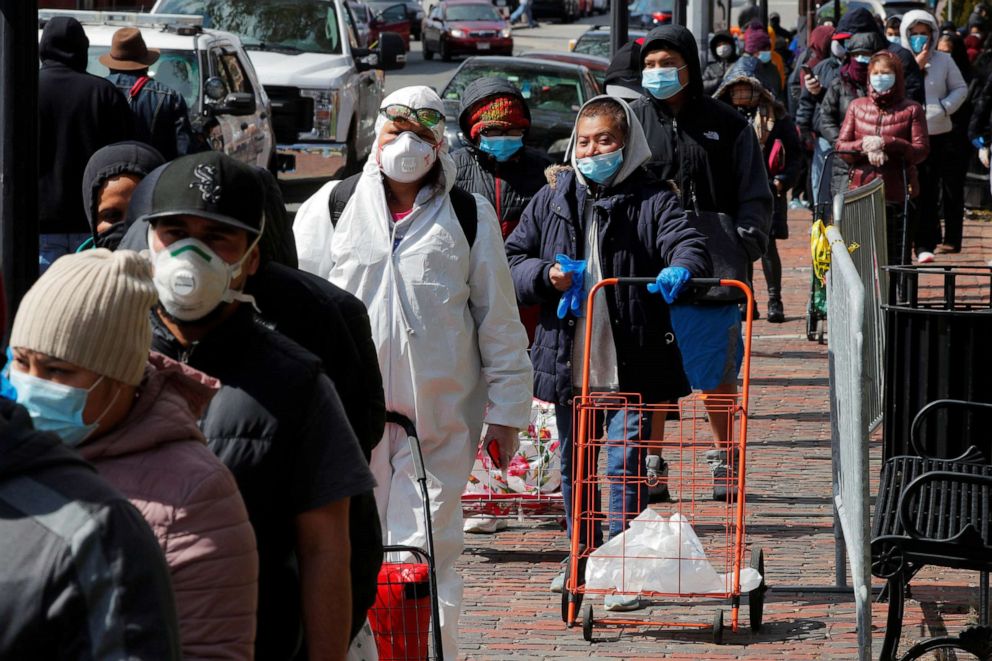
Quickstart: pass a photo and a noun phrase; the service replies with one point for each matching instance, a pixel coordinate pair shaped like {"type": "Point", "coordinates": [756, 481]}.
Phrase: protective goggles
{"type": "Point", "coordinates": [428, 117]}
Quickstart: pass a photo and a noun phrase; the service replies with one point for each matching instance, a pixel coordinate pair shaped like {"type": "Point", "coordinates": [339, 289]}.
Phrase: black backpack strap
{"type": "Point", "coordinates": [462, 201]}
{"type": "Point", "coordinates": [339, 197]}
{"type": "Point", "coordinates": [467, 213]}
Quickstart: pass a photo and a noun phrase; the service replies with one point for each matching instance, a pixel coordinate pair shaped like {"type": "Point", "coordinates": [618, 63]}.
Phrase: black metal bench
{"type": "Point", "coordinates": [932, 511]}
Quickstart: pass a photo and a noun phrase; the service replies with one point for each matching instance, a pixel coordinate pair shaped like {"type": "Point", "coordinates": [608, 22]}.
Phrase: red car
{"type": "Point", "coordinates": [465, 27]}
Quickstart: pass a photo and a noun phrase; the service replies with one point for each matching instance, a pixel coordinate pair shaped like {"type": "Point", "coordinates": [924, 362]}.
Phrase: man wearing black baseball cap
{"type": "Point", "coordinates": [277, 422]}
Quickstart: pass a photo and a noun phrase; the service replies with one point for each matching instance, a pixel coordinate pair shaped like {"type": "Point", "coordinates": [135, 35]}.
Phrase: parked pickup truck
{"type": "Point", "coordinates": [227, 105]}
{"type": "Point", "coordinates": [324, 84]}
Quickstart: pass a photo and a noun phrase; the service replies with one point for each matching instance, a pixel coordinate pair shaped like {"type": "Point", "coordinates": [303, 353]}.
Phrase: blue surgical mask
{"type": "Point", "coordinates": [862, 59]}
{"type": "Point", "coordinates": [601, 167]}
{"type": "Point", "coordinates": [882, 82]}
{"type": "Point", "coordinates": [662, 83]}
{"type": "Point", "coordinates": [765, 56]}
{"type": "Point", "coordinates": [501, 147]}
{"type": "Point", "coordinates": [55, 407]}
{"type": "Point", "coordinates": [893, 38]}
{"type": "Point", "coordinates": [918, 42]}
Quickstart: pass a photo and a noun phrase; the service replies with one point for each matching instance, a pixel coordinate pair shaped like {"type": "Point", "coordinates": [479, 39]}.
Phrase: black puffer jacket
{"type": "Point", "coordinates": [77, 114]}
{"type": "Point", "coordinates": [833, 110]}
{"type": "Point", "coordinates": [58, 517]}
{"type": "Point", "coordinates": [709, 150]}
{"type": "Point", "coordinates": [717, 68]}
{"type": "Point", "coordinates": [509, 185]}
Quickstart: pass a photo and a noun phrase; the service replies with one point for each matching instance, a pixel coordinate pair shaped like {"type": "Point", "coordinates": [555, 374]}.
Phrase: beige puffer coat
{"type": "Point", "coordinates": [158, 458]}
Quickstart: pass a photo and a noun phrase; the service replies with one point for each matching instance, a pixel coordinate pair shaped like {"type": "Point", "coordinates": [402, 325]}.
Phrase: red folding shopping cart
{"type": "Point", "coordinates": [405, 618]}
{"type": "Point", "coordinates": [704, 555]}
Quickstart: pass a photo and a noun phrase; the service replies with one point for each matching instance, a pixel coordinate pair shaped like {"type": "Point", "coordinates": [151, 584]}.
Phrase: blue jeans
{"type": "Point", "coordinates": [817, 167]}
{"type": "Point", "coordinates": [53, 246]}
{"type": "Point", "coordinates": [629, 496]}
{"type": "Point", "coordinates": [523, 10]}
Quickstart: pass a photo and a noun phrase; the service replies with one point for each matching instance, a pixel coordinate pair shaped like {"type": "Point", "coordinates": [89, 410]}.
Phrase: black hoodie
{"type": "Point", "coordinates": [77, 114]}
{"type": "Point", "coordinates": [717, 68]}
{"type": "Point", "coordinates": [860, 20]}
{"type": "Point", "coordinates": [83, 576]}
{"type": "Point", "coordinates": [709, 150]}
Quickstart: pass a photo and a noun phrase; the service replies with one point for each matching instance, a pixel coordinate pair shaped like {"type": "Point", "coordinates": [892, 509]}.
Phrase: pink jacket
{"type": "Point", "coordinates": [158, 458]}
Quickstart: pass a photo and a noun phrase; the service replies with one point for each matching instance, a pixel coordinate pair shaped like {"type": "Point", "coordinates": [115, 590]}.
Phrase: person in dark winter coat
{"type": "Point", "coordinates": [850, 84]}
{"type": "Point", "coordinates": [494, 119]}
{"type": "Point", "coordinates": [860, 20]}
{"type": "Point", "coordinates": [57, 515]}
{"type": "Point", "coordinates": [783, 161]}
{"type": "Point", "coordinates": [77, 114]}
{"type": "Point", "coordinates": [711, 153]}
{"type": "Point", "coordinates": [605, 209]}
{"type": "Point", "coordinates": [160, 111]}
{"type": "Point", "coordinates": [109, 181]}
{"type": "Point", "coordinates": [758, 46]}
{"type": "Point", "coordinates": [723, 49]}
{"type": "Point", "coordinates": [889, 134]}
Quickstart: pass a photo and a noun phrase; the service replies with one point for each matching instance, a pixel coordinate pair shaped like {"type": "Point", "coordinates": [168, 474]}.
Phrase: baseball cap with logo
{"type": "Point", "coordinates": [209, 185]}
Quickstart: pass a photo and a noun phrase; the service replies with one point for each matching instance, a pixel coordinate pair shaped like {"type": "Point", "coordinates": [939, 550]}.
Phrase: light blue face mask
{"type": "Point", "coordinates": [601, 167]}
{"type": "Point", "coordinates": [893, 39]}
{"type": "Point", "coordinates": [765, 56]}
{"type": "Point", "coordinates": [55, 407]}
{"type": "Point", "coordinates": [662, 83]}
{"type": "Point", "coordinates": [917, 42]}
{"type": "Point", "coordinates": [501, 147]}
{"type": "Point", "coordinates": [882, 82]}
{"type": "Point", "coordinates": [862, 59]}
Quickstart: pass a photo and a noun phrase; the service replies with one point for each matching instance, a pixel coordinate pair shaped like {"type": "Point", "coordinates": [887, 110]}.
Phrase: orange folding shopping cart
{"type": "Point", "coordinates": [692, 547]}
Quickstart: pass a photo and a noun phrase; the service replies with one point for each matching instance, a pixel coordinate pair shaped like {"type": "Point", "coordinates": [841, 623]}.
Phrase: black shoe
{"type": "Point", "coordinates": [776, 314]}
{"type": "Point", "coordinates": [755, 313]}
{"type": "Point", "coordinates": [656, 470]}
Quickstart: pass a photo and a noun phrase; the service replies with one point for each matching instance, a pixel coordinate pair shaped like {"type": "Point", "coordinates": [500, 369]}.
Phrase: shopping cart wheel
{"type": "Point", "coordinates": [718, 628]}
{"type": "Point", "coordinates": [576, 597]}
{"type": "Point", "coordinates": [587, 623]}
{"type": "Point", "coordinates": [756, 597]}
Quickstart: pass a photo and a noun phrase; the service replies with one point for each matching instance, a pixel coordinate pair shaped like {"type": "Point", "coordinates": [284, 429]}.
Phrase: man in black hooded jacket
{"type": "Point", "coordinates": [77, 114]}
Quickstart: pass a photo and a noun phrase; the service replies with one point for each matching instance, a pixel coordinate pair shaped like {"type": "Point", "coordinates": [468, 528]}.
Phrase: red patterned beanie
{"type": "Point", "coordinates": [501, 112]}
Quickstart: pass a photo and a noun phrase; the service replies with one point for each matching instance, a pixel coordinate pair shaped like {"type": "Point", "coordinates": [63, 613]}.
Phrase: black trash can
{"type": "Point", "coordinates": [938, 345]}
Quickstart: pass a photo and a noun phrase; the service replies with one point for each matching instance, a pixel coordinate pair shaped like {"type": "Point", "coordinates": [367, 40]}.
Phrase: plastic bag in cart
{"type": "Point", "coordinates": [660, 555]}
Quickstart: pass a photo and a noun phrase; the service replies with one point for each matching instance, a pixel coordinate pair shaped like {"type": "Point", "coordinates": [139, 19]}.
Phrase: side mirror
{"type": "Point", "coordinates": [236, 103]}
{"type": "Point", "coordinates": [391, 52]}
{"type": "Point", "coordinates": [215, 89]}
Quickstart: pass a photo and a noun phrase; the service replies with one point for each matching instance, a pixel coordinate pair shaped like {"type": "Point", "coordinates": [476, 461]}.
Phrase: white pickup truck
{"type": "Point", "coordinates": [325, 86]}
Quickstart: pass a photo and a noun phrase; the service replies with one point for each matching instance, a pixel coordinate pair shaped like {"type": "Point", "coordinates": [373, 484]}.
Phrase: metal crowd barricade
{"type": "Point", "coordinates": [859, 214]}
{"type": "Point", "coordinates": [850, 401]}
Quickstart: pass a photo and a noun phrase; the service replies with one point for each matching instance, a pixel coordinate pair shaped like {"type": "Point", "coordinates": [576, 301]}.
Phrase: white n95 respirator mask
{"type": "Point", "coordinates": [407, 158]}
{"type": "Point", "coordinates": [192, 280]}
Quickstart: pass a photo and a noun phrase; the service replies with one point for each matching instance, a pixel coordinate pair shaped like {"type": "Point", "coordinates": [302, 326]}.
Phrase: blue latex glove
{"type": "Point", "coordinates": [978, 142]}
{"type": "Point", "coordinates": [670, 283]}
{"type": "Point", "coordinates": [7, 390]}
{"type": "Point", "coordinates": [573, 296]}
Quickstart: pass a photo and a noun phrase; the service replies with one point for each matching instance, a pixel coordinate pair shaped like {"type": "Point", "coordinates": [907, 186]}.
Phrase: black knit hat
{"type": "Point", "coordinates": [210, 185]}
{"type": "Point", "coordinates": [625, 72]}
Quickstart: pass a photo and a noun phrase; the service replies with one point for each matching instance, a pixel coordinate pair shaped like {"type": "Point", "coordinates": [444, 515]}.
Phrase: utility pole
{"type": "Point", "coordinates": [18, 148]}
{"type": "Point", "coordinates": [618, 25]}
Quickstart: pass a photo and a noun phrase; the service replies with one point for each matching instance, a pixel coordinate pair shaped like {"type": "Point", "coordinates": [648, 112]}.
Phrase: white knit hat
{"type": "Point", "coordinates": [91, 309]}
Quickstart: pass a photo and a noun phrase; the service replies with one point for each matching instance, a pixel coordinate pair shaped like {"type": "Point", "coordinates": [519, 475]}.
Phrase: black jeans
{"type": "Point", "coordinates": [894, 219]}
{"type": "Point", "coordinates": [771, 264]}
{"type": "Point", "coordinates": [942, 178]}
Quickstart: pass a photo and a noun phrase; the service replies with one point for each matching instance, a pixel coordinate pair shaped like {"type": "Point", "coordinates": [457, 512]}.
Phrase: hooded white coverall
{"type": "Point", "coordinates": [450, 343]}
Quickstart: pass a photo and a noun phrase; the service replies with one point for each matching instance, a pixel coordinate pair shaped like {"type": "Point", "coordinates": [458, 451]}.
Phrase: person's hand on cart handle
{"type": "Point", "coordinates": [501, 443]}
{"type": "Point", "coordinates": [670, 283]}
{"type": "Point", "coordinates": [560, 280]}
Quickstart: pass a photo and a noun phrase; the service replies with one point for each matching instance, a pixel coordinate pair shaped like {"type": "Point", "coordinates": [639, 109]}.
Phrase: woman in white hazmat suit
{"type": "Point", "coordinates": [444, 318]}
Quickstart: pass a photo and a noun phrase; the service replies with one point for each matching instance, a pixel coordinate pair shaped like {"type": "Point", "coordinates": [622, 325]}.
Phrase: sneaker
{"type": "Point", "coordinates": [656, 470]}
{"type": "Point", "coordinates": [776, 313]}
{"type": "Point", "coordinates": [796, 204]}
{"type": "Point", "coordinates": [925, 257]}
{"type": "Point", "coordinates": [558, 584]}
{"type": "Point", "coordinates": [485, 525]}
{"type": "Point", "coordinates": [621, 603]}
{"type": "Point", "coordinates": [724, 487]}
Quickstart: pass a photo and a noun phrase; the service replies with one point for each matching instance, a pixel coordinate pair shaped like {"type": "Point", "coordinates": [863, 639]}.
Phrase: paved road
{"type": "Point", "coordinates": [550, 36]}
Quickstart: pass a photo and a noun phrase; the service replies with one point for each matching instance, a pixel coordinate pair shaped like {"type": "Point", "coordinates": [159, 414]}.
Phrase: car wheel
{"type": "Point", "coordinates": [428, 53]}
{"type": "Point", "coordinates": [445, 51]}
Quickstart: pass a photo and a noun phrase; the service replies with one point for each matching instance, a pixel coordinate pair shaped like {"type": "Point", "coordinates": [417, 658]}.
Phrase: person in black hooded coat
{"type": "Point", "coordinates": [77, 114]}
{"type": "Point", "coordinates": [722, 61]}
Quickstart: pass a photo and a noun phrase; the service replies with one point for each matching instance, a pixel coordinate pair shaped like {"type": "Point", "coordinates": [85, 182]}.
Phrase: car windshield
{"type": "Point", "coordinates": [473, 12]}
{"type": "Point", "coordinates": [309, 26]}
{"type": "Point", "coordinates": [554, 91]}
{"type": "Point", "coordinates": [177, 69]}
{"type": "Point", "coordinates": [593, 44]}
{"type": "Point", "coordinates": [652, 6]}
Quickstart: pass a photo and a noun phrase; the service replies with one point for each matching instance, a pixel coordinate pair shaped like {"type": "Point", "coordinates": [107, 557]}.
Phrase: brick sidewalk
{"type": "Point", "coordinates": [509, 612]}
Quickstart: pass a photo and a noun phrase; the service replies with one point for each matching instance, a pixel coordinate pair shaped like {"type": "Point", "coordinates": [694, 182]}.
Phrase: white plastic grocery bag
{"type": "Point", "coordinates": [660, 555]}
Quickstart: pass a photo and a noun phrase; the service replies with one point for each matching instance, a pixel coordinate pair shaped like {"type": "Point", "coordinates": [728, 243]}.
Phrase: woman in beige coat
{"type": "Point", "coordinates": [82, 369]}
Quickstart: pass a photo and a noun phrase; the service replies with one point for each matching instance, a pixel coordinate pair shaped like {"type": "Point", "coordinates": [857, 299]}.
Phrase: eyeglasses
{"type": "Point", "coordinates": [428, 117]}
